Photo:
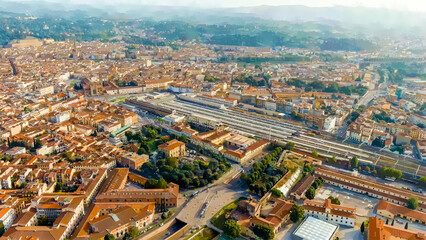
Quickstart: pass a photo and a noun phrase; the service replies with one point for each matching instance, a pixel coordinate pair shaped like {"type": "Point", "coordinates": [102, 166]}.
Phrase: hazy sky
{"type": "Point", "coordinates": [410, 5]}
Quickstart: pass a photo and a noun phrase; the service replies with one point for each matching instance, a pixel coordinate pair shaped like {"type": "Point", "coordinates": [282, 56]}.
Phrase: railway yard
{"type": "Point", "coordinates": [282, 131]}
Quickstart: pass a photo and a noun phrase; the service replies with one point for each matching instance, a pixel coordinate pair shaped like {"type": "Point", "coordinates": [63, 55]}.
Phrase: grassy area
{"type": "Point", "coordinates": [196, 232]}
{"type": "Point", "coordinates": [119, 99]}
{"type": "Point", "coordinates": [206, 234]}
{"type": "Point", "coordinates": [219, 218]}
{"type": "Point", "coordinates": [292, 166]}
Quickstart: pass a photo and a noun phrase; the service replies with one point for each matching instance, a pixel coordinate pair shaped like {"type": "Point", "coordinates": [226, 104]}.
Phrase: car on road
{"type": "Point", "coordinates": [392, 179]}
{"type": "Point", "coordinates": [195, 193]}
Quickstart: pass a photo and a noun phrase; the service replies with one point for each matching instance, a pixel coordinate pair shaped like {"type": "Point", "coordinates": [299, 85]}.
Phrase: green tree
{"type": "Point", "coordinates": [296, 116]}
{"type": "Point", "coordinates": [276, 193]}
{"type": "Point", "coordinates": [289, 146]}
{"type": "Point", "coordinates": [406, 225]}
{"type": "Point", "coordinates": [378, 142]}
{"type": "Point", "coordinates": [314, 154]}
{"type": "Point", "coordinates": [244, 176]}
{"type": "Point", "coordinates": [133, 231]}
{"type": "Point", "coordinates": [422, 180]}
{"type": "Point", "coordinates": [310, 193]}
{"type": "Point", "coordinates": [173, 162]}
{"type": "Point", "coordinates": [42, 221]}
{"type": "Point", "coordinates": [390, 172]}
{"type": "Point", "coordinates": [367, 169]}
{"type": "Point", "coordinates": [263, 231]}
{"type": "Point", "coordinates": [413, 203]}
{"type": "Point", "coordinates": [67, 155]}
{"type": "Point", "coordinates": [37, 144]}
{"type": "Point", "coordinates": [1, 229]}
{"type": "Point", "coordinates": [232, 229]}
{"type": "Point", "coordinates": [151, 183]}
{"type": "Point", "coordinates": [354, 162]}
{"type": "Point", "coordinates": [109, 237]}
{"type": "Point", "coordinates": [317, 183]}
{"type": "Point", "coordinates": [362, 228]}
{"type": "Point", "coordinates": [127, 236]}
{"type": "Point", "coordinates": [296, 213]}
{"type": "Point", "coordinates": [58, 187]}
{"type": "Point", "coordinates": [334, 200]}
{"type": "Point", "coordinates": [161, 184]}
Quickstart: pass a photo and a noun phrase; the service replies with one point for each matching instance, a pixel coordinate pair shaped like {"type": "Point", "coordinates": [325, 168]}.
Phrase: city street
{"type": "Point", "coordinates": [217, 197]}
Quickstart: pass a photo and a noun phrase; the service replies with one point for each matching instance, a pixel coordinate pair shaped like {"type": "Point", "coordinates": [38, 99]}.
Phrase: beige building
{"type": "Point", "coordinates": [173, 148]}
{"type": "Point", "coordinates": [392, 210]}
{"type": "Point", "coordinates": [133, 160]}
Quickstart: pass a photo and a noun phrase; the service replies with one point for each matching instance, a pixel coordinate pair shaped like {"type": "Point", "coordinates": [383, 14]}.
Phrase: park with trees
{"type": "Point", "coordinates": [264, 231]}
{"type": "Point", "coordinates": [187, 175]}
{"type": "Point", "coordinates": [231, 228]}
{"type": "Point", "coordinates": [194, 174]}
{"type": "Point", "coordinates": [265, 174]}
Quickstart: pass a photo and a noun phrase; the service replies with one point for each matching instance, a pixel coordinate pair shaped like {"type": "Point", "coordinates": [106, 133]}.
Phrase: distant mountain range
{"type": "Point", "coordinates": [299, 21]}
{"type": "Point", "coordinates": [291, 13]}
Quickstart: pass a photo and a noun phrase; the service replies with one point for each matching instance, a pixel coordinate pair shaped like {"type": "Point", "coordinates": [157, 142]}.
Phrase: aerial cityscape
{"type": "Point", "coordinates": [204, 120]}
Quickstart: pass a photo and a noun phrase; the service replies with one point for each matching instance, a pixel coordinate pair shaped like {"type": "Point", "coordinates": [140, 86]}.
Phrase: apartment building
{"type": "Point", "coordinates": [119, 221]}
{"type": "Point", "coordinates": [109, 125]}
{"type": "Point", "coordinates": [63, 225]}
{"type": "Point", "coordinates": [7, 216]}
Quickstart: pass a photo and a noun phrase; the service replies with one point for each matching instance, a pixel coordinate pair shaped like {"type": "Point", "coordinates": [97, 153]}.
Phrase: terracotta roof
{"type": "Point", "coordinates": [170, 145]}
{"type": "Point", "coordinates": [303, 184]}
{"type": "Point", "coordinates": [377, 230]}
{"type": "Point", "coordinates": [396, 209]}
{"type": "Point", "coordinates": [350, 180]}
{"type": "Point", "coordinates": [279, 212]}
{"type": "Point", "coordinates": [257, 144]}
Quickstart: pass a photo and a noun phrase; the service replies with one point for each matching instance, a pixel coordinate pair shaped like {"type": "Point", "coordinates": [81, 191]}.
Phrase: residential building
{"type": "Point", "coordinates": [7, 216]}
{"type": "Point", "coordinates": [119, 221]}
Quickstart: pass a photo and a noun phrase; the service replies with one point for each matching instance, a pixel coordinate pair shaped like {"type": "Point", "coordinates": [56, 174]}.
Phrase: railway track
{"type": "Point", "coordinates": [281, 131]}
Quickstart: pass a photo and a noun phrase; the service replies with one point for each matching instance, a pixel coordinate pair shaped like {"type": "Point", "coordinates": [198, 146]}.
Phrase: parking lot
{"type": "Point", "coordinates": [364, 205]}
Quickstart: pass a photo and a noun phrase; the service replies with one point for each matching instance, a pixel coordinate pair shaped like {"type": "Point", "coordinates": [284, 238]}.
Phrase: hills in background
{"type": "Point", "coordinates": [291, 13]}
{"type": "Point", "coordinates": [330, 28]}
